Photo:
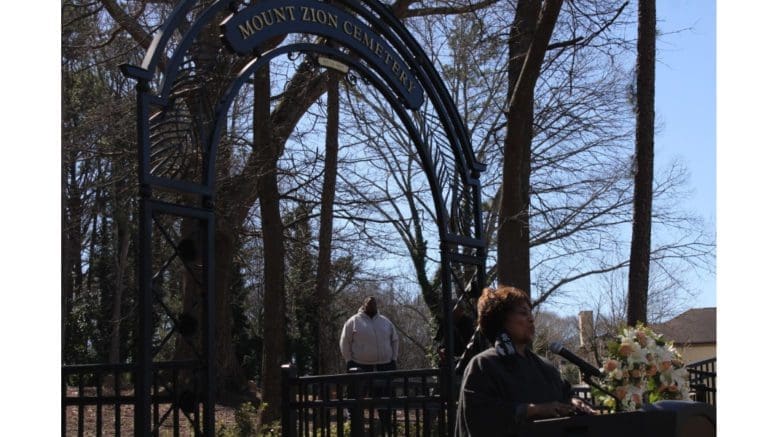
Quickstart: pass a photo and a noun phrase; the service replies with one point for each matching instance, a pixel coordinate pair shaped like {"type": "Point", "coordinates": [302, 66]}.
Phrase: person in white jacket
{"type": "Point", "coordinates": [369, 341]}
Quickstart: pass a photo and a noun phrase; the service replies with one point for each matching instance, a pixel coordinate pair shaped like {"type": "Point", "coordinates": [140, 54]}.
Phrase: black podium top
{"type": "Point", "coordinates": [664, 418]}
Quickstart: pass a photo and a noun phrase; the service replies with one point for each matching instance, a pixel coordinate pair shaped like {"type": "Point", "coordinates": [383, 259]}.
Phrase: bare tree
{"type": "Point", "coordinates": [530, 34]}
{"type": "Point", "coordinates": [639, 267]}
{"type": "Point", "coordinates": [325, 232]}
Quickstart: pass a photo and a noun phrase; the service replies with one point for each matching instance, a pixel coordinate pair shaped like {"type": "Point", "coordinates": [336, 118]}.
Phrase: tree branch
{"type": "Point", "coordinates": [587, 40]}
{"type": "Point", "coordinates": [127, 23]}
{"type": "Point", "coordinates": [449, 10]}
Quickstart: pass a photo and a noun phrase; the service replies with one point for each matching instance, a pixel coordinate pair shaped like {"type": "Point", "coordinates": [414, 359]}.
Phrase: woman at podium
{"type": "Point", "coordinates": [507, 385]}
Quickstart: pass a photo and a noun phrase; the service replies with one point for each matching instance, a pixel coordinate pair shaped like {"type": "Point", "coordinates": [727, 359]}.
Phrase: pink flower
{"type": "Point", "coordinates": [610, 365]}
{"type": "Point", "coordinates": [642, 338]}
{"type": "Point", "coordinates": [636, 373]}
{"type": "Point", "coordinates": [625, 350]}
{"type": "Point", "coordinates": [651, 370]}
{"type": "Point", "coordinates": [666, 365]}
{"type": "Point", "coordinates": [636, 399]}
{"type": "Point", "coordinates": [620, 392]}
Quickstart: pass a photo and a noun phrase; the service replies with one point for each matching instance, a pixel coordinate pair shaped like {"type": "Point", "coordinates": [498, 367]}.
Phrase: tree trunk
{"type": "Point", "coordinates": [639, 267]}
{"type": "Point", "coordinates": [529, 37]}
{"type": "Point", "coordinates": [230, 374]}
{"type": "Point", "coordinates": [325, 231]}
{"type": "Point", "coordinates": [70, 243]}
{"type": "Point", "coordinates": [274, 308]}
{"type": "Point", "coordinates": [122, 264]}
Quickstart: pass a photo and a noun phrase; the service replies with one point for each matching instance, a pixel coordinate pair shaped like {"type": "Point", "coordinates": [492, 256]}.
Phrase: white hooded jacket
{"type": "Point", "coordinates": [369, 340]}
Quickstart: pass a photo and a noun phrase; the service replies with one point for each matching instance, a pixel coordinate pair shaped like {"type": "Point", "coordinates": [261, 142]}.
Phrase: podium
{"type": "Point", "coordinates": [664, 418]}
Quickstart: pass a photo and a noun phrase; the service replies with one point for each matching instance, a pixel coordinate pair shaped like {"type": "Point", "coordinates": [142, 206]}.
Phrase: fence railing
{"type": "Point", "coordinates": [95, 397]}
{"type": "Point", "coordinates": [99, 399]}
{"type": "Point", "coordinates": [396, 403]}
{"type": "Point", "coordinates": [702, 379]}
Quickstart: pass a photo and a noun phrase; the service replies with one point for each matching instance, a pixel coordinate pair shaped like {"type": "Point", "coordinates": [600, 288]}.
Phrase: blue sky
{"type": "Point", "coordinates": [685, 106]}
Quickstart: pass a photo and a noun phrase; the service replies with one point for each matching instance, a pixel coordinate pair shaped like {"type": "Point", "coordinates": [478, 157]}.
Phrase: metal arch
{"type": "Point", "coordinates": [433, 79]}
{"type": "Point", "coordinates": [387, 26]}
{"type": "Point", "coordinates": [222, 111]}
{"type": "Point", "coordinates": [155, 50]}
{"type": "Point", "coordinates": [377, 15]}
{"type": "Point", "coordinates": [384, 89]}
{"type": "Point", "coordinates": [395, 32]}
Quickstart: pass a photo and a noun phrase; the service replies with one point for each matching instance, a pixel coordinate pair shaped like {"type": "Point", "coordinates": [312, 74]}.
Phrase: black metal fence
{"type": "Point", "coordinates": [95, 397]}
{"type": "Point", "coordinates": [99, 400]}
{"type": "Point", "coordinates": [393, 403]}
{"type": "Point", "coordinates": [702, 379]}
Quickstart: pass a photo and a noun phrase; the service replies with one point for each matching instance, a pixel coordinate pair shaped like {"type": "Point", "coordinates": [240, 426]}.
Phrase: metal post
{"type": "Point", "coordinates": [210, 319]}
{"type": "Point", "coordinates": [143, 367]}
{"type": "Point", "coordinates": [288, 420]}
{"type": "Point", "coordinates": [447, 384]}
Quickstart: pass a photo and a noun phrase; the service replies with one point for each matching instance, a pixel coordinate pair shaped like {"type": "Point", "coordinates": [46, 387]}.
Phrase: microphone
{"type": "Point", "coordinates": [584, 365]}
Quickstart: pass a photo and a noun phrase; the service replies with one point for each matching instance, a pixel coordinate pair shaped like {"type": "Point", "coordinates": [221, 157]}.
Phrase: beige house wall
{"type": "Point", "coordinates": [696, 352]}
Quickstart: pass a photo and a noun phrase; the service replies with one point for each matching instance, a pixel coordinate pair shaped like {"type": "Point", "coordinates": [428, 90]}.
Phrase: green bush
{"type": "Point", "coordinates": [246, 419]}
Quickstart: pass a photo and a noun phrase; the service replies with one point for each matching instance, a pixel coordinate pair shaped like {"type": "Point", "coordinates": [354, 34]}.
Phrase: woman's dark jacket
{"type": "Point", "coordinates": [496, 390]}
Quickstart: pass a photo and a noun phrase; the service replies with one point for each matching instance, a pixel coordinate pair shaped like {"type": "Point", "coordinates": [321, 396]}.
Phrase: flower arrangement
{"type": "Point", "coordinates": [642, 367]}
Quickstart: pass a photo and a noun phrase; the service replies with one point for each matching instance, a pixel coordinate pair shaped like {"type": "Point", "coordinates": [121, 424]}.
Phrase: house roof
{"type": "Point", "coordinates": [696, 325]}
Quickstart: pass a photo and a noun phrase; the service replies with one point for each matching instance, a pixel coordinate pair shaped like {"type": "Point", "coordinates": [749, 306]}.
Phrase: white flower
{"type": "Point", "coordinates": [633, 365]}
{"type": "Point", "coordinates": [663, 354]}
{"type": "Point", "coordinates": [639, 355]}
{"type": "Point", "coordinates": [680, 375]}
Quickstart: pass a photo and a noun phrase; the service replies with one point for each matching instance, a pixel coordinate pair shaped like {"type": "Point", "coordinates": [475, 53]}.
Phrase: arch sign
{"type": "Point", "coordinates": [247, 30]}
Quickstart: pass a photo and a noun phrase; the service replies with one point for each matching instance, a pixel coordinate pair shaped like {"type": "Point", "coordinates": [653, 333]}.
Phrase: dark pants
{"type": "Point", "coordinates": [378, 388]}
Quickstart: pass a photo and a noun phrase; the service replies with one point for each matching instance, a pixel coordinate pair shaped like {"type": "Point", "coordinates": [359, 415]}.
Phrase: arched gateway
{"type": "Point", "coordinates": [181, 117]}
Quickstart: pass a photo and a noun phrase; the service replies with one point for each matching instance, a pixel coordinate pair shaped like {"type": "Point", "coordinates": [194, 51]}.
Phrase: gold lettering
{"type": "Point", "coordinates": [268, 19]}
{"type": "Point", "coordinates": [320, 16]}
{"type": "Point", "coordinates": [395, 68]}
{"type": "Point", "coordinates": [280, 14]}
{"type": "Point", "coordinates": [257, 23]}
{"type": "Point", "coordinates": [402, 77]}
{"type": "Point", "coordinates": [331, 19]}
{"type": "Point", "coordinates": [367, 40]}
{"type": "Point", "coordinates": [290, 10]}
{"type": "Point", "coordinates": [348, 28]}
{"type": "Point", "coordinates": [375, 46]}
{"type": "Point", "coordinates": [247, 30]}
{"type": "Point", "coordinates": [306, 15]}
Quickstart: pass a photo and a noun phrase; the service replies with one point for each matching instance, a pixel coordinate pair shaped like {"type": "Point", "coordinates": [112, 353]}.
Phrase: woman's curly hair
{"type": "Point", "coordinates": [495, 304]}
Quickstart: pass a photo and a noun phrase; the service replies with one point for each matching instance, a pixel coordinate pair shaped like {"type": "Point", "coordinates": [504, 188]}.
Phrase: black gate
{"type": "Point", "coordinates": [397, 403]}
{"type": "Point", "coordinates": [703, 380]}
{"type": "Point", "coordinates": [181, 118]}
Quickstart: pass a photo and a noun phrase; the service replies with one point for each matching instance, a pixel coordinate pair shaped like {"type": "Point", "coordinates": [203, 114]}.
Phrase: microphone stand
{"type": "Point", "coordinates": [589, 381]}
